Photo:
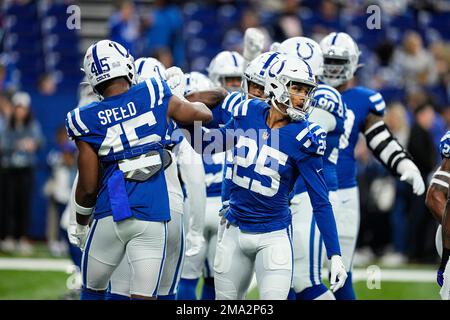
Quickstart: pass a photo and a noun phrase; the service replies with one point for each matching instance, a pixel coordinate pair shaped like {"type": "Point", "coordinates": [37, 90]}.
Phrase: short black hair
{"type": "Point", "coordinates": [101, 87]}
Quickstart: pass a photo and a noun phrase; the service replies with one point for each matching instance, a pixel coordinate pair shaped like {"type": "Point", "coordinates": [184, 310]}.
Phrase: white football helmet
{"type": "Point", "coordinates": [285, 73]}
{"type": "Point", "coordinates": [196, 81]}
{"type": "Point", "coordinates": [341, 55]}
{"type": "Point", "coordinates": [106, 60]}
{"type": "Point", "coordinates": [256, 70]}
{"type": "Point", "coordinates": [306, 49]}
{"type": "Point", "coordinates": [149, 67]}
{"type": "Point", "coordinates": [226, 64]}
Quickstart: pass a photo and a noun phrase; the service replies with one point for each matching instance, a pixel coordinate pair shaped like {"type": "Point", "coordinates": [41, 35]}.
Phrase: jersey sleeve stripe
{"type": "Point", "coordinates": [234, 102]}
{"type": "Point", "coordinates": [375, 97]}
{"type": "Point", "coordinates": [305, 131]}
{"type": "Point", "coordinates": [380, 106]}
{"type": "Point", "coordinates": [161, 90]}
{"type": "Point", "coordinates": [71, 126]}
{"type": "Point", "coordinates": [226, 101]}
{"type": "Point", "coordinates": [245, 107]}
{"type": "Point", "coordinates": [79, 122]}
{"type": "Point", "coordinates": [151, 91]}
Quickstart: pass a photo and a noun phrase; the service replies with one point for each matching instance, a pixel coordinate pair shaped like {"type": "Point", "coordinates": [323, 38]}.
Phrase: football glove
{"type": "Point", "coordinates": [176, 81]}
{"type": "Point", "coordinates": [411, 174]}
{"type": "Point", "coordinates": [78, 235]}
{"type": "Point", "coordinates": [194, 243]}
{"type": "Point", "coordinates": [253, 43]}
{"type": "Point", "coordinates": [338, 273]}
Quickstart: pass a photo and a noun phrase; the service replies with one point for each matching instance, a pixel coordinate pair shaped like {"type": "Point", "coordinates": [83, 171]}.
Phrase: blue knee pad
{"type": "Point", "coordinates": [115, 296]}
{"type": "Point", "coordinates": [312, 293]}
{"type": "Point", "coordinates": [346, 292]}
{"type": "Point", "coordinates": [187, 289]}
{"type": "Point", "coordinates": [87, 294]}
{"type": "Point", "coordinates": [291, 295]}
{"type": "Point", "coordinates": [208, 290]}
{"type": "Point", "coordinates": [167, 297]}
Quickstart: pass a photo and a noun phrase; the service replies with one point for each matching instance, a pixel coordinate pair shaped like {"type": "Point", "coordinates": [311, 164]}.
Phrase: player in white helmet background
{"type": "Point", "coordinates": [121, 197]}
{"type": "Point", "coordinates": [189, 165]}
{"type": "Point", "coordinates": [329, 113]}
{"type": "Point", "coordinates": [365, 110]}
{"type": "Point", "coordinates": [225, 70]}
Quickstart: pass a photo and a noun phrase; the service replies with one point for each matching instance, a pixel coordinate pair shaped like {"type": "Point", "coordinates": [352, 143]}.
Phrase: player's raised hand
{"type": "Point", "coordinates": [338, 273]}
{"type": "Point", "coordinates": [194, 243]}
{"type": "Point", "coordinates": [253, 43]}
{"type": "Point", "coordinates": [176, 81]}
{"type": "Point", "coordinates": [414, 178]}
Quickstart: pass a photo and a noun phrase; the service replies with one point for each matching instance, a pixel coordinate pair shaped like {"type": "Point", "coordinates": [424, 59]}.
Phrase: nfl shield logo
{"type": "Point", "coordinates": [265, 135]}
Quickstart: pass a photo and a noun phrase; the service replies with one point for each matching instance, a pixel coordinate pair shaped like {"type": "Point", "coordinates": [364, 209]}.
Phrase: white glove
{"type": "Point", "coordinates": [194, 243]}
{"type": "Point", "coordinates": [78, 234]}
{"type": "Point", "coordinates": [445, 290]}
{"type": "Point", "coordinates": [176, 81]}
{"type": "Point", "coordinates": [274, 46]}
{"type": "Point", "coordinates": [253, 43]}
{"type": "Point", "coordinates": [410, 173]}
{"type": "Point", "coordinates": [338, 273]}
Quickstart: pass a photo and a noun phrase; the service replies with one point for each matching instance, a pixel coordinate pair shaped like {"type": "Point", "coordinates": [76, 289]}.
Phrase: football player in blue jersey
{"type": "Point", "coordinates": [193, 175]}
{"type": "Point", "coordinates": [365, 110]}
{"type": "Point", "coordinates": [272, 145]}
{"type": "Point", "coordinates": [330, 114]}
{"type": "Point", "coordinates": [436, 201]}
{"type": "Point", "coordinates": [123, 136]}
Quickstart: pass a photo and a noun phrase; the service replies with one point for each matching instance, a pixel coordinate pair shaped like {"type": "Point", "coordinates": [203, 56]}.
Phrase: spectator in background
{"type": "Point", "coordinates": [20, 142]}
{"type": "Point", "coordinates": [396, 120]}
{"type": "Point", "coordinates": [287, 24]}
{"type": "Point", "coordinates": [6, 110]}
{"type": "Point", "coordinates": [326, 20]}
{"type": "Point", "coordinates": [62, 161]}
{"type": "Point", "coordinates": [417, 65]}
{"type": "Point", "coordinates": [164, 29]}
{"type": "Point", "coordinates": [234, 38]}
{"type": "Point", "coordinates": [47, 84]}
{"type": "Point", "coordinates": [124, 25]}
{"type": "Point", "coordinates": [422, 225]}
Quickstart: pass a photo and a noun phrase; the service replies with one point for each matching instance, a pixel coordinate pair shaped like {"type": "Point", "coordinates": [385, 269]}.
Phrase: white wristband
{"type": "Point", "coordinates": [83, 210]}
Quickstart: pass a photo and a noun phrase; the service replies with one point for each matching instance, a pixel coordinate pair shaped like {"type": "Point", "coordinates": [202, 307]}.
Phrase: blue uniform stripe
{"type": "Point", "coordinates": [96, 61]}
{"type": "Point", "coordinates": [311, 251]}
{"type": "Point", "coordinates": [319, 267]}
{"type": "Point", "coordinates": [86, 253]}
{"type": "Point", "coordinates": [309, 68]}
{"type": "Point", "coordinates": [207, 271]}
{"type": "Point", "coordinates": [268, 62]}
{"type": "Point", "coordinates": [289, 233]}
{"type": "Point", "coordinates": [163, 260]}
{"type": "Point", "coordinates": [156, 88]}
{"type": "Point", "coordinates": [180, 259]}
{"type": "Point", "coordinates": [141, 66]}
{"type": "Point", "coordinates": [333, 42]}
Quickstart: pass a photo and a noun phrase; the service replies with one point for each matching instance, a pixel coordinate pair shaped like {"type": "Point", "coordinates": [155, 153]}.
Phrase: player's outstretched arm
{"type": "Point", "coordinates": [86, 189]}
{"type": "Point", "coordinates": [211, 98]}
{"type": "Point", "coordinates": [391, 153]}
{"type": "Point", "coordinates": [185, 112]}
{"type": "Point", "coordinates": [436, 198]}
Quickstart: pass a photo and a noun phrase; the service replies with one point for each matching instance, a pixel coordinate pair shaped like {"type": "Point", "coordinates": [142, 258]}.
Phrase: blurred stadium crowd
{"type": "Point", "coordinates": [407, 60]}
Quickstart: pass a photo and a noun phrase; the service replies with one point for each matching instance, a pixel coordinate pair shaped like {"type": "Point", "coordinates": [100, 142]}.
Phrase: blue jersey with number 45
{"type": "Point", "coordinates": [444, 145]}
{"type": "Point", "coordinates": [123, 127]}
{"type": "Point", "coordinates": [360, 102]}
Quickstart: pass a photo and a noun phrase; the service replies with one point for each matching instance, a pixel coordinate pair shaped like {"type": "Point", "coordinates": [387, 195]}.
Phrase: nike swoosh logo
{"type": "Point", "coordinates": [345, 201]}
{"type": "Point", "coordinates": [318, 170]}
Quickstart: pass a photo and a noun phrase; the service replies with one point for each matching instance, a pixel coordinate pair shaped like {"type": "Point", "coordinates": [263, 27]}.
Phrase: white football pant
{"type": "Point", "coordinates": [239, 254]}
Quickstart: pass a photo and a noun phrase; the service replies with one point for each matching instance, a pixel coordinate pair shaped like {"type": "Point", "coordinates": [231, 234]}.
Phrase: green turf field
{"type": "Point", "coordinates": [52, 285]}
